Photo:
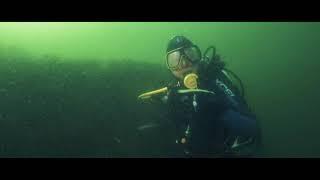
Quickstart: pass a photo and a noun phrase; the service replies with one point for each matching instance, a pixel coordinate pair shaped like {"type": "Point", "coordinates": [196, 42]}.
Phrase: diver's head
{"type": "Point", "coordinates": [182, 57]}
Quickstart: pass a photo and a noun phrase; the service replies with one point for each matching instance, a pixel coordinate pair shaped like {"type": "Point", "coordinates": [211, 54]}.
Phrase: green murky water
{"type": "Point", "coordinates": [69, 89]}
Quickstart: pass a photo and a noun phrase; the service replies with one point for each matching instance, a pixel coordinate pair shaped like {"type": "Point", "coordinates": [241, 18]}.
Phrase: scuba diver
{"type": "Point", "coordinates": [206, 106]}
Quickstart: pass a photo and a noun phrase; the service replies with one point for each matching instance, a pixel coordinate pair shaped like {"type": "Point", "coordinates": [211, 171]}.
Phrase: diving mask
{"type": "Point", "coordinates": [191, 54]}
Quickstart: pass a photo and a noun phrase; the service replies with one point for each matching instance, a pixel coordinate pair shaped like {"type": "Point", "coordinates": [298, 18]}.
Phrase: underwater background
{"type": "Point", "coordinates": [70, 89]}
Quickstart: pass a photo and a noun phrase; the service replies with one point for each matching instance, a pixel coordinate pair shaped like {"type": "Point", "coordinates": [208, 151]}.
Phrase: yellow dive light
{"type": "Point", "coordinates": [190, 81]}
{"type": "Point", "coordinates": [149, 94]}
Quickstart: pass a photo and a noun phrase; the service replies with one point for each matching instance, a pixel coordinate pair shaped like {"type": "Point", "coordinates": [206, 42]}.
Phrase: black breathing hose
{"type": "Point", "coordinates": [208, 60]}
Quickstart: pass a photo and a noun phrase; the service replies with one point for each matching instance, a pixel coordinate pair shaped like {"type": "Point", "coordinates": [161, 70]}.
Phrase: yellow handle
{"type": "Point", "coordinates": [149, 94]}
{"type": "Point", "coordinates": [190, 81]}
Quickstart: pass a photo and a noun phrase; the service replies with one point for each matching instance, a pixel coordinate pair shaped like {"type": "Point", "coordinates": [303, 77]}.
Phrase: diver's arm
{"type": "Point", "coordinates": [239, 124]}
{"type": "Point", "coordinates": [242, 137]}
{"type": "Point", "coordinates": [243, 132]}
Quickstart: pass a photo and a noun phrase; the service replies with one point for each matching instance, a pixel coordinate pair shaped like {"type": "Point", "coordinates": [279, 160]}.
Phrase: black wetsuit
{"type": "Point", "coordinates": [213, 125]}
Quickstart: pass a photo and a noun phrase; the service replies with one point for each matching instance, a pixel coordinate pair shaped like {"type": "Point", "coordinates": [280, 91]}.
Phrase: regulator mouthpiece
{"type": "Point", "coordinates": [190, 81]}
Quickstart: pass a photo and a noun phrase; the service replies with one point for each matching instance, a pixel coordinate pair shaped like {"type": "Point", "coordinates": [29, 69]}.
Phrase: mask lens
{"type": "Point", "coordinates": [173, 59]}
{"type": "Point", "coordinates": [193, 54]}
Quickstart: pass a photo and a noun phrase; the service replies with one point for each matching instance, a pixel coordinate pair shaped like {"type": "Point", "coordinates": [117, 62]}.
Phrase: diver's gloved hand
{"type": "Point", "coordinates": [172, 93]}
